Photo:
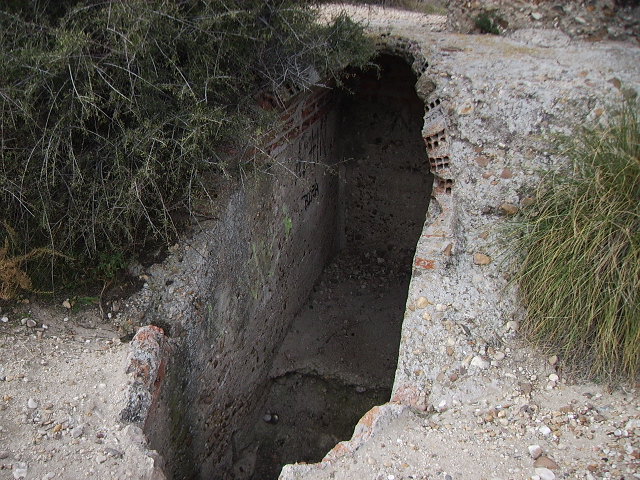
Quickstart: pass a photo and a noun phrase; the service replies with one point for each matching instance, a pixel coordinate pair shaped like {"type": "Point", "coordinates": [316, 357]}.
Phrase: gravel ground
{"type": "Point", "coordinates": [63, 383]}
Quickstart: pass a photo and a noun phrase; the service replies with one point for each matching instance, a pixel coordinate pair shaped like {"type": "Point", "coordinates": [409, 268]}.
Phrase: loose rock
{"type": "Point", "coordinates": [509, 208]}
{"type": "Point", "coordinates": [480, 362]}
{"type": "Point", "coordinates": [545, 462]}
{"type": "Point", "coordinates": [535, 451]}
{"type": "Point", "coordinates": [20, 470]}
{"type": "Point", "coordinates": [544, 430]}
{"type": "Point", "coordinates": [422, 302]}
{"type": "Point", "coordinates": [545, 474]}
{"type": "Point", "coordinates": [481, 259]}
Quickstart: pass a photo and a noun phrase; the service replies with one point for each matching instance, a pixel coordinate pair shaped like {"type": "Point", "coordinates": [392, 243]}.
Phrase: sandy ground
{"type": "Point", "coordinates": [63, 383]}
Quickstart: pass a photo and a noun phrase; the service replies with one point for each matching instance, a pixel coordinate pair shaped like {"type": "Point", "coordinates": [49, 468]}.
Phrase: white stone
{"type": "Point", "coordinates": [544, 430]}
{"type": "Point", "coordinates": [480, 362]}
{"type": "Point", "coordinates": [511, 326]}
{"type": "Point", "coordinates": [536, 15]}
{"type": "Point", "coordinates": [535, 451]}
{"type": "Point", "coordinates": [32, 404]}
{"type": "Point", "coordinates": [553, 377]}
{"type": "Point", "coordinates": [20, 471]}
{"type": "Point", "coordinates": [545, 474]}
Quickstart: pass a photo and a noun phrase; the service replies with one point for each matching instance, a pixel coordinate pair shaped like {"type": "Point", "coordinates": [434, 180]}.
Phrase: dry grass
{"type": "Point", "coordinates": [13, 277]}
{"type": "Point", "coordinates": [580, 274]}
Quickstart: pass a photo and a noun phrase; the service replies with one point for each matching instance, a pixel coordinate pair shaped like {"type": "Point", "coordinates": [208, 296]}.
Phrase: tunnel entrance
{"type": "Point", "coordinates": [285, 309]}
{"type": "Point", "coordinates": [339, 356]}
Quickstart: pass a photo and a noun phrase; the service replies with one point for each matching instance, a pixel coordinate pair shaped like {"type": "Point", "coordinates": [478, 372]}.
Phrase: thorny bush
{"type": "Point", "coordinates": [112, 112]}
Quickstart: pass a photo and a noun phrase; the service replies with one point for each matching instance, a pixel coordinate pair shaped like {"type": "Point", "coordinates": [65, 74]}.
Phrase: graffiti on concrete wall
{"type": "Point", "coordinates": [310, 195]}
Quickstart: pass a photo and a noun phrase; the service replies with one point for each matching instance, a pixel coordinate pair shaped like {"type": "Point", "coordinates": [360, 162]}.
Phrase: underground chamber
{"type": "Point", "coordinates": [293, 297]}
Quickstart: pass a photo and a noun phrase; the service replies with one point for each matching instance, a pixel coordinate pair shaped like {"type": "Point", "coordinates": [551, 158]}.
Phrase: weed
{"type": "Point", "coordinates": [489, 22]}
{"type": "Point", "coordinates": [579, 275]}
{"type": "Point", "coordinates": [13, 277]}
{"type": "Point", "coordinates": [110, 264]}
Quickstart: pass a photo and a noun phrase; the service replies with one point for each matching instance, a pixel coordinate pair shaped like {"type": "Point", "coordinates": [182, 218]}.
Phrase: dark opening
{"type": "Point", "coordinates": [339, 357]}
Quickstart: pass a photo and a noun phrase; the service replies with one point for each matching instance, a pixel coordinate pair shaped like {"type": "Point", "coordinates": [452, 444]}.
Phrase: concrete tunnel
{"type": "Point", "coordinates": [292, 317]}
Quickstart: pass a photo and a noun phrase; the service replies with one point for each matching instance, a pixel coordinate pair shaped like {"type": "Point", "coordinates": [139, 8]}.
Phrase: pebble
{"type": "Point", "coordinates": [545, 474]}
{"type": "Point", "coordinates": [4, 319]}
{"type": "Point", "coordinates": [112, 452]}
{"type": "Point", "coordinates": [509, 208]}
{"type": "Point", "coordinates": [553, 359]}
{"type": "Point", "coordinates": [481, 259]}
{"type": "Point", "coordinates": [511, 326]}
{"type": "Point", "coordinates": [483, 161]}
{"type": "Point", "coordinates": [20, 470]}
{"type": "Point", "coordinates": [544, 430]}
{"type": "Point", "coordinates": [480, 362]}
{"type": "Point", "coordinates": [535, 451]}
{"type": "Point", "coordinates": [66, 304]}
{"type": "Point", "coordinates": [553, 377]}
{"type": "Point", "coordinates": [536, 15]}
{"type": "Point", "coordinates": [499, 356]}
{"type": "Point", "coordinates": [32, 404]}
{"type": "Point", "coordinates": [422, 302]}
{"type": "Point", "coordinates": [545, 462]}
{"type": "Point", "coordinates": [4, 454]}
{"type": "Point", "coordinates": [77, 432]}
{"type": "Point", "coordinates": [31, 323]}
{"type": "Point", "coordinates": [101, 458]}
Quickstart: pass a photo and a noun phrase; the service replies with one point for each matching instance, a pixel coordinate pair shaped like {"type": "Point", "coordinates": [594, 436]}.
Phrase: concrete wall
{"type": "Point", "coordinates": [228, 294]}
{"type": "Point", "coordinates": [386, 171]}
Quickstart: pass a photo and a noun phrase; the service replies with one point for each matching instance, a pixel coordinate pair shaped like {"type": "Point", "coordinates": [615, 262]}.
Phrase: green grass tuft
{"type": "Point", "coordinates": [579, 275]}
